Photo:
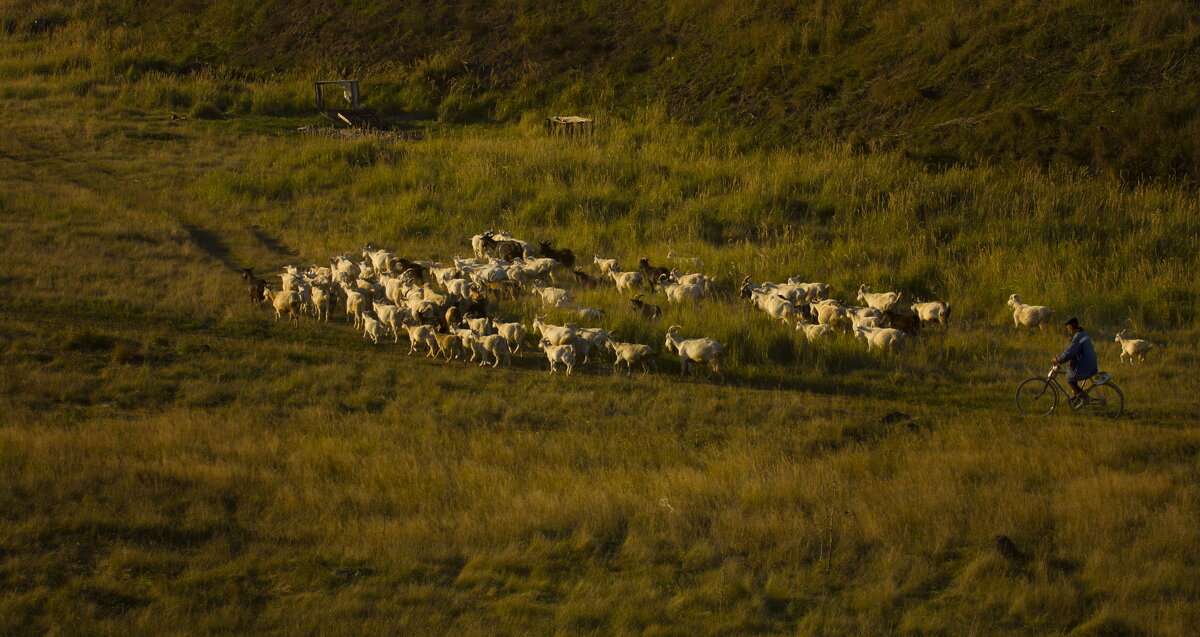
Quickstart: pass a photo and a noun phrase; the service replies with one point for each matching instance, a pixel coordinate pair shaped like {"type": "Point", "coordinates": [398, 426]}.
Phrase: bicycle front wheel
{"type": "Point", "coordinates": [1105, 400]}
{"type": "Point", "coordinates": [1036, 396]}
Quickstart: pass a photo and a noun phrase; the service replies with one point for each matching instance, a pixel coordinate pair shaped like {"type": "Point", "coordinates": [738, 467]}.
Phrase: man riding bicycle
{"type": "Point", "coordinates": [1081, 355]}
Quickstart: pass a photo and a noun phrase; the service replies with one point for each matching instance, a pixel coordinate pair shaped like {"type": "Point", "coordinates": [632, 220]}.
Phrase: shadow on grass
{"type": "Point", "coordinates": [211, 244]}
{"type": "Point", "coordinates": [274, 244]}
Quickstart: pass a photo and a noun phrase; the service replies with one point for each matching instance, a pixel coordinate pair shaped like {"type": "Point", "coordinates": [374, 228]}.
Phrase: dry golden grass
{"type": "Point", "coordinates": [173, 462]}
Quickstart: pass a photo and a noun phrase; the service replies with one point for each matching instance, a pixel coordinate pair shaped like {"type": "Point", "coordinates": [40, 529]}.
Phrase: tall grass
{"type": "Point", "coordinates": [1105, 89]}
{"type": "Point", "coordinates": [173, 461]}
{"type": "Point", "coordinates": [1078, 243]}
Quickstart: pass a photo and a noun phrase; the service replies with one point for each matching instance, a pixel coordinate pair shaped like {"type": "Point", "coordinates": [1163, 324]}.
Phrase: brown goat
{"type": "Point", "coordinates": [449, 345]}
{"type": "Point", "coordinates": [255, 286]}
{"type": "Point", "coordinates": [903, 319]}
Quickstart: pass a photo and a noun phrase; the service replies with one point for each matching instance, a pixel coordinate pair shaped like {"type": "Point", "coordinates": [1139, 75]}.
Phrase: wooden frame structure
{"type": "Point", "coordinates": [569, 126]}
{"type": "Point", "coordinates": [356, 116]}
{"type": "Point", "coordinates": [349, 90]}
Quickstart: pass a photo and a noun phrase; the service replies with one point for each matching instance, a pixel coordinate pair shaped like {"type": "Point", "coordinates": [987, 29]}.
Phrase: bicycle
{"type": "Point", "coordinates": [1101, 397]}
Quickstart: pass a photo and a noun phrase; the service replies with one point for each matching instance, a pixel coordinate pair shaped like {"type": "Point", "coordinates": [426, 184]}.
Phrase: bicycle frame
{"type": "Point", "coordinates": [1054, 371]}
{"type": "Point", "coordinates": [1084, 387]}
{"type": "Point", "coordinates": [1088, 401]}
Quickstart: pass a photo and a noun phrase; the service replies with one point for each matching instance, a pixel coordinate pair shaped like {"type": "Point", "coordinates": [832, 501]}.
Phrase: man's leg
{"type": "Point", "coordinates": [1076, 392]}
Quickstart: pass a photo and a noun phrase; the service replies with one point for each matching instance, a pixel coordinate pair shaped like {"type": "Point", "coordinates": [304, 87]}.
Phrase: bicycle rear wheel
{"type": "Point", "coordinates": [1036, 396]}
{"type": "Point", "coordinates": [1105, 400]}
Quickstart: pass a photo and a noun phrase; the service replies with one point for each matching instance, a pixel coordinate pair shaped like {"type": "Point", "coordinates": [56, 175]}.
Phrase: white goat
{"type": "Point", "coordinates": [681, 292]}
{"type": "Point", "coordinates": [630, 353]}
{"type": "Point", "coordinates": [381, 260]}
{"type": "Point", "coordinates": [606, 266]}
{"type": "Point", "coordinates": [882, 301]}
{"type": "Point", "coordinates": [627, 280]}
{"type": "Point", "coordinates": [588, 313]}
{"type": "Point", "coordinates": [557, 335]}
{"type": "Point", "coordinates": [284, 301]}
{"type": "Point", "coordinates": [695, 350]}
{"type": "Point", "coordinates": [692, 261]}
{"type": "Point", "coordinates": [477, 244]}
{"type": "Point", "coordinates": [467, 337]}
{"type": "Point", "coordinates": [432, 295]}
{"type": "Point", "coordinates": [885, 338]}
{"type": "Point", "coordinates": [1131, 347]}
{"type": "Point", "coordinates": [543, 267]}
{"type": "Point", "coordinates": [488, 273]}
{"type": "Point", "coordinates": [356, 303]}
{"type": "Point", "coordinates": [373, 328]}
{"type": "Point", "coordinates": [564, 354]}
{"type": "Point", "coordinates": [514, 333]}
{"type": "Point", "coordinates": [774, 305]}
{"type": "Point", "coordinates": [495, 345]}
{"type": "Point", "coordinates": [305, 294]}
{"type": "Point", "coordinates": [389, 315]}
{"type": "Point", "coordinates": [830, 313]}
{"type": "Point", "coordinates": [372, 288]}
{"type": "Point", "coordinates": [480, 326]}
{"type": "Point", "coordinates": [862, 313]}
{"type": "Point", "coordinates": [814, 332]}
{"type": "Point", "coordinates": [418, 307]}
{"type": "Point", "coordinates": [289, 280]}
{"type": "Point", "coordinates": [811, 291]}
{"type": "Point", "coordinates": [461, 287]}
{"type": "Point", "coordinates": [394, 290]}
{"type": "Point", "coordinates": [554, 297]}
{"type": "Point", "coordinates": [933, 311]}
{"type": "Point", "coordinates": [423, 334]}
{"type": "Point", "coordinates": [1028, 315]}
{"type": "Point", "coordinates": [583, 349]}
{"type": "Point", "coordinates": [792, 293]}
{"type": "Point", "coordinates": [857, 321]}
{"type": "Point", "coordinates": [693, 278]}
{"type": "Point", "coordinates": [321, 301]}
{"type": "Point", "coordinates": [342, 264]}
{"type": "Point", "coordinates": [593, 336]}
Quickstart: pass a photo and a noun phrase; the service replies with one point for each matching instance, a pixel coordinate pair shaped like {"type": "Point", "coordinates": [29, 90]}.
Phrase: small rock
{"type": "Point", "coordinates": [1008, 549]}
{"type": "Point", "coordinates": [895, 417]}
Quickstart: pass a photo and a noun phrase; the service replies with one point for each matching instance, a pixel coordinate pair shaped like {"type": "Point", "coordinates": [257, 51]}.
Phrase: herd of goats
{"type": "Point", "coordinates": [451, 310]}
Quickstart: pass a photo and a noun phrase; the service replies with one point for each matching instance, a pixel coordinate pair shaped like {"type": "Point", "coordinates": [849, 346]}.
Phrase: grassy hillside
{"type": "Point", "coordinates": [173, 462]}
{"type": "Point", "coordinates": [1106, 86]}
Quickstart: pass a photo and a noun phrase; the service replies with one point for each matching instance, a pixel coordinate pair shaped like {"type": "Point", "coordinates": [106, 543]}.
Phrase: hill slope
{"type": "Point", "coordinates": [1113, 88]}
{"type": "Point", "coordinates": [174, 460]}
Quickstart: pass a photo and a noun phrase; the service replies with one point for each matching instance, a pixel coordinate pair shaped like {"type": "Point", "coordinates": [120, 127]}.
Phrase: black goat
{"type": "Point", "coordinates": [648, 311]}
{"type": "Point", "coordinates": [505, 249]}
{"type": "Point", "coordinates": [747, 288]}
{"type": "Point", "coordinates": [653, 274]}
{"type": "Point", "coordinates": [416, 270]}
{"type": "Point", "coordinates": [564, 256]}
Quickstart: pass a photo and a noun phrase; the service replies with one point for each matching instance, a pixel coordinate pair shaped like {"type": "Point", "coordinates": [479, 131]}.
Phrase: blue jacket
{"type": "Point", "coordinates": [1082, 356]}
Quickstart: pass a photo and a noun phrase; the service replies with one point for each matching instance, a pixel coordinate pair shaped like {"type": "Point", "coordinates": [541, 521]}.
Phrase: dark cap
{"type": "Point", "coordinates": [1074, 322]}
